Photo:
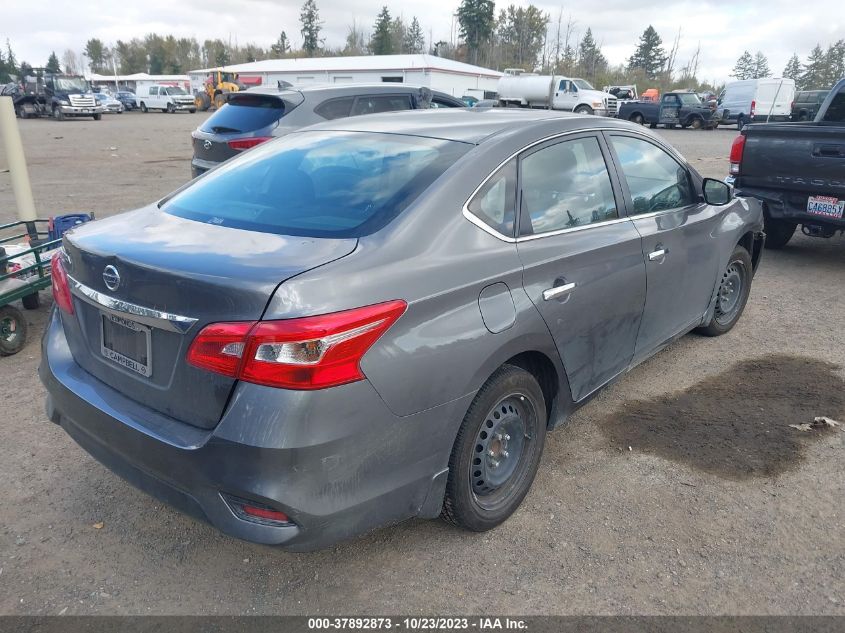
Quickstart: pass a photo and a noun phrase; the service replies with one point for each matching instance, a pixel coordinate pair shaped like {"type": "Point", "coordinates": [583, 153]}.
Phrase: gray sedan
{"type": "Point", "coordinates": [380, 318]}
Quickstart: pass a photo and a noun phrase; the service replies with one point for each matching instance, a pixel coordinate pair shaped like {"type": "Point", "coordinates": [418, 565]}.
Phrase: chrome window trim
{"type": "Point", "coordinates": [147, 316]}
{"type": "Point", "coordinates": [469, 215]}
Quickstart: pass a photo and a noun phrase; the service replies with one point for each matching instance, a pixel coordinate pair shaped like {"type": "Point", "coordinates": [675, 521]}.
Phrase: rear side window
{"type": "Point", "coordinates": [154, 90]}
{"type": "Point", "coordinates": [495, 202]}
{"type": "Point", "coordinates": [385, 103]}
{"type": "Point", "coordinates": [656, 181]}
{"type": "Point", "coordinates": [335, 108]}
{"type": "Point", "coordinates": [318, 184]}
{"type": "Point", "coordinates": [836, 110]}
{"type": "Point", "coordinates": [565, 185]}
{"type": "Point", "coordinates": [246, 113]}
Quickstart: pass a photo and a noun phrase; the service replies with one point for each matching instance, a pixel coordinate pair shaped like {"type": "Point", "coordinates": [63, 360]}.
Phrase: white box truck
{"type": "Point", "coordinates": [556, 93]}
{"type": "Point", "coordinates": [758, 100]}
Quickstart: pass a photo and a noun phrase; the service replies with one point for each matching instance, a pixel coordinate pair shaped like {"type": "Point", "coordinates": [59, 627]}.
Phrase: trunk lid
{"type": "Point", "coordinates": [181, 268]}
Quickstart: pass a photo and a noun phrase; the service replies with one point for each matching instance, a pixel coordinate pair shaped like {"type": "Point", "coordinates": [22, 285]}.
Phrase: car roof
{"type": "Point", "coordinates": [468, 125]}
{"type": "Point", "coordinates": [336, 89]}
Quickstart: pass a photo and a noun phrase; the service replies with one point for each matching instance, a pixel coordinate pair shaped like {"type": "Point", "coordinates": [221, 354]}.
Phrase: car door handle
{"type": "Point", "coordinates": [657, 255]}
{"type": "Point", "coordinates": [558, 291]}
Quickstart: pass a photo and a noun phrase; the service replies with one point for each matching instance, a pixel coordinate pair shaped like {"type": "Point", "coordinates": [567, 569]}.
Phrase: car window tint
{"type": "Point", "coordinates": [836, 110]}
{"type": "Point", "coordinates": [495, 202]}
{"type": "Point", "coordinates": [335, 108]}
{"type": "Point", "coordinates": [318, 184]}
{"type": "Point", "coordinates": [655, 179]}
{"type": "Point", "coordinates": [376, 104]}
{"type": "Point", "coordinates": [566, 185]}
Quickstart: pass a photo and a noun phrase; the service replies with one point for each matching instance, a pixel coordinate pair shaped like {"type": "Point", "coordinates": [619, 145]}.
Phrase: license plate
{"type": "Point", "coordinates": [826, 206]}
{"type": "Point", "coordinates": [126, 343]}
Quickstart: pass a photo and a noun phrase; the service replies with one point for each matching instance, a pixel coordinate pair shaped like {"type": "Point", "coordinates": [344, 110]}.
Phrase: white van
{"type": "Point", "coordinates": [164, 98]}
{"type": "Point", "coordinates": [752, 100]}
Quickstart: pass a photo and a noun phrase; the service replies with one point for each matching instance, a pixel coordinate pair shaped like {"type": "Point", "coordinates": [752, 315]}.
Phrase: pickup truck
{"type": "Point", "coordinates": [797, 170]}
{"type": "Point", "coordinates": [674, 108]}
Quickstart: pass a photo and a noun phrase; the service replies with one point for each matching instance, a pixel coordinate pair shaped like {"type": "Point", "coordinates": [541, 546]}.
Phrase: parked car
{"type": "Point", "coordinates": [164, 98]}
{"type": "Point", "coordinates": [262, 113]}
{"type": "Point", "coordinates": [674, 108]}
{"type": "Point", "coordinates": [109, 103]}
{"type": "Point", "coordinates": [796, 170]}
{"type": "Point", "coordinates": [753, 100]}
{"type": "Point", "coordinates": [127, 99]}
{"type": "Point", "coordinates": [807, 103]}
{"type": "Point", "coordinates": [375, 319]}
{"type": "Point", "coordinates": [554, 92]}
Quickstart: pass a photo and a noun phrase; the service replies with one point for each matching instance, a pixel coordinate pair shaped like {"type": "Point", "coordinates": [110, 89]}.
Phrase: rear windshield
{"type": "Point", "coordinates": [318, 184]}
{"type": "Point", "coordinates": [836, 109]}
{"type": "Point", "coordinates": [246, 113]}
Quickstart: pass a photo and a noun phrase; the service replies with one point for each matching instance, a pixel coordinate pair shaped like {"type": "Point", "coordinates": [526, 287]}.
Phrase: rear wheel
{"type": "Point", "coordinates": [636, 118]}
{"type": "Point", "coordinates": [740, 121]}
{"type": "Point", "coordinates": [778, 232]}
{"type": "Point", "coordinates": [144, 107]}
{"type": "Point", "coordinates": [497, 451]}
{"type": "Point", "coordinates": [202, 102]}
{"type": "Point", "coordinates": [734, 288]}
{"type": "Point", "coordinates": [97, 117]}
{"type": "Point", "coordinates": [220, 100]}
{"type": "Point", "coordinates": [12, 330]}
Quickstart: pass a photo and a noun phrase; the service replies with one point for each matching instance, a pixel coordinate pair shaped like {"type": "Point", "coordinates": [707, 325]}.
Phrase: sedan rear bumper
{"type": "Point", "coordinates": [338, 463]}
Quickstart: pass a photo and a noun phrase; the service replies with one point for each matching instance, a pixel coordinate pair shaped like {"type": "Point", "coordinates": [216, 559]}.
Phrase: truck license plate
{"type": "Point", "coordinates": [826, 206]}
{"type": "Point", "coordinates": [126, 343]}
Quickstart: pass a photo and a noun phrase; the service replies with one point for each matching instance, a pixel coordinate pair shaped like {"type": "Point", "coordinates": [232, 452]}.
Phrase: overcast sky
{"type": "Point", "coordinates": [723, 27]}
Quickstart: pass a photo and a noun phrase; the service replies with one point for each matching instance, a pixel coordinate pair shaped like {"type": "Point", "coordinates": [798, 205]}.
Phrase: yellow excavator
{"type": "Point", "coordinates": [216, 90]}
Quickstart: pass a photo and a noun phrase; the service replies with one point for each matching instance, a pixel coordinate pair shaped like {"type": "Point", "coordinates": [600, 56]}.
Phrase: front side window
{"type": "Point", "coordinates": [154, 90]}
{"type": "Point", "coordinates": [318, 184]}
{"type": "Point", "coordinates": [657, 182]}
{"type": "Point", "coordinates": [565, 185]}
{"type": "Point", "coordinates": [495, 202]}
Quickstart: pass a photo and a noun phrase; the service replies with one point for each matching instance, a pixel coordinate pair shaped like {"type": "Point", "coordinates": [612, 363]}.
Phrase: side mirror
{"type": "Point", "coordinates": [716, 192]}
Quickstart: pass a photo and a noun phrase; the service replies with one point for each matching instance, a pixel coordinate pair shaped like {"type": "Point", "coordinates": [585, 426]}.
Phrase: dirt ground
{"type": "Point", "coordinates": [680, 490]}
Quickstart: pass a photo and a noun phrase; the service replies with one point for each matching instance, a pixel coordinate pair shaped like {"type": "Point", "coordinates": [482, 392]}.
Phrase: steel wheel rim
{"type": "Point", "coordinates": [730, 292]}
{"type": "Point", "coordinates": [502, 446]}
{"type": "Point", "coordinates": [8, 330]}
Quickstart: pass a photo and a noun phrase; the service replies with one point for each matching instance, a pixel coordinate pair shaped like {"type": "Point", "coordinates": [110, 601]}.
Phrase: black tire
{"type": "Point", "coordinates": [97, 117]}
{"type": "Point", "coordinates": [696, 123]}
{"type": "Point", "coordinates": [192, 110]}
{"type": "Point", "coordinates": [652, 125]}
{"type": "Point", "coordinates": [12, 330]}
{"type": "Point", "coordinates": [732, 295]}
{"type": "Point", "coordinates": [636, 118]}
{"type": "Point", "coordinates": [143, 107]}
{"type": "Point", "coordinates": [58, 114]}
{"type": "Point", "coordinates": [31, 302]}
{"type": "Point", "coordinates": [511, 401]}
{"type": "Point", "coordinates": [778, 232]}
{"type": "Point", "coordinates": [583, 109]}
{"type": "Point", "coordinates": [740, 121]}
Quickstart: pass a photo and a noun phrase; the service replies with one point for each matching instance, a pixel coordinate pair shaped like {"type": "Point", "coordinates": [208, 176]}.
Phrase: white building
{"type": "Point", "coordinates": [454, 78]}
{"type": "Point", "coordinates": [137, 80]}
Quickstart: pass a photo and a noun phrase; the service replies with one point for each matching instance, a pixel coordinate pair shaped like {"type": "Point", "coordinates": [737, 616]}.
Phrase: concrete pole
{"type": "Point", "coordinates": [16, 160]}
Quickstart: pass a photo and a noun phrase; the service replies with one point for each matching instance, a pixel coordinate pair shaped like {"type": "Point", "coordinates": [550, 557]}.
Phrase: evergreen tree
{"type": "Point", "coordinates": [793, 70]}
{"type": "Point", "coordinates": [477, 21]}
{"type": "Point", "coordinates": [309, 18]}
{"type": "Point", "coordinates": [521, 32]}
{"type": "Point", "coordinates": [381, 43]}
{"type": "Point", "coordinates": [649, 56]}
{"type": "Point", "coordinates": [11, 64]}
{"type": "Point", "coordinates": [96, 53]}
{"type": "Point", "coordinates": [282, 46]}
{"type": "Point", "coordinates": [815, 70]}
{"type": "Point", "coordinates": [761, 66]}
{"type": "Point", "coordinates": [744, 67]}
{"type": "Point", "coordinates": [591, 61]}
{"type": "Point", "coordinates": [397, 35]}
{"type": "Point", "coordinates": [53, 64]}
{"type": "Point", "coordinates": [414, 38]}
{"type": "Point", "coordinates": [835, 62]}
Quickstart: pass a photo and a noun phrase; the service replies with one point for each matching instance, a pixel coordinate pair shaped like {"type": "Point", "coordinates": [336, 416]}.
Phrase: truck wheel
{"type": "Point", "coordinates": [58, 114]}
{"type": "Point", "coordinates": [636, 118]}
{"type": "Point", "coordinates": [583, 109]}
{"type": "Point", "coordinates": [497, 451]}
{"type": "Point", "coordinates": [696, 123]}
{"type": "Point", "coordinates": [143, 107]}
{"type": "Point", "coordinates": [202, 102]}
{"type": "Point", "coordinates": [778, 232]}
{"type": "Point", "coordinates": [170, 108]}
{"type": "Point", "coordinates": [12, 330]}
{"type": "Point", "coordinates": [734, 288]}
{"type": "Point", "coordinates": [220, 100]}
{"type": "Point", "coordinates": [740, 121]}
{"type": "Point", "coordinates": [192, 110]}
{"type": "Point", "coordinates": [97, 117]}
{"type": "Point", "coordinates": [31, 302]}
{"type": "Point", "coordinates": [652, 126]}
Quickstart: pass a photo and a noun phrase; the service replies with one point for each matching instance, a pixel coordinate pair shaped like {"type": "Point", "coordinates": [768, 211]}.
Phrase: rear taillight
{"type": "Point", "coordinates": [306, 353]}
{"type": "Point", "coordinates": [753, 108]}
{"type": "Point", "coordinates": [737, 148]}
{"type": "Point", "coordinates": [61, 288]}
{"type": "Point", "coordinates": [240, 144]}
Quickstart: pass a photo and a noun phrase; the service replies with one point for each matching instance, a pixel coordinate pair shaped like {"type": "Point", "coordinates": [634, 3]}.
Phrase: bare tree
{"type": "Point", "coordinates": [71, 63]}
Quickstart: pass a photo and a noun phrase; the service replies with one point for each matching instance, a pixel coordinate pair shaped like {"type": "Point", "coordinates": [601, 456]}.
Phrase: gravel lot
{"type": "Point", "coordinates": [745, 518]}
